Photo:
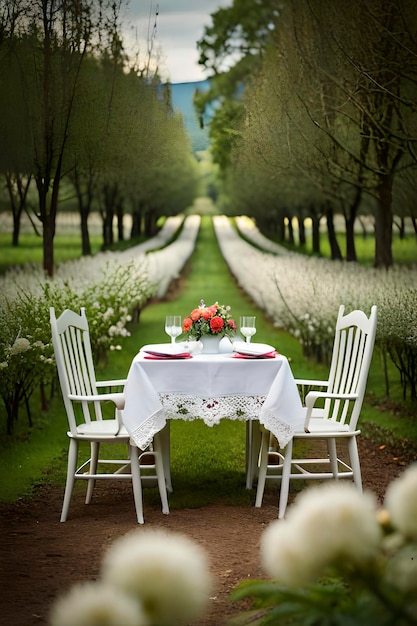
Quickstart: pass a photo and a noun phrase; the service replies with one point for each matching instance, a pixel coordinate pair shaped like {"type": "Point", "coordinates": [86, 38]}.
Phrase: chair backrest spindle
{"type": "Point", "coordinates": [74, 361]}
{"type": "Point", "coordinates": [351, 359]}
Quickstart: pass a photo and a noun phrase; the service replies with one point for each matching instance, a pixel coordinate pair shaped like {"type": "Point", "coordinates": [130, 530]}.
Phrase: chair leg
{"type": "Point", "coordinates": [263, 468]}
{"type": "Point", "coordinates": [159, 467]}
{"type": "Point", "coordinates": [136, 482]}
{"type": "Point", "coordinates": [95, 450]}
{"type": "Point", "coordinates": [355, 463]}
{"type": "Point", "coordinates": [253, 444]}
{"type": "Point", "coordinates": [285, 480]}
{"type": "Point", "coordinates": [332, 452]}
{"type": "Point", "coordinates": [165, 447]}
{"type": "Point", "coordinates": [69, 485]}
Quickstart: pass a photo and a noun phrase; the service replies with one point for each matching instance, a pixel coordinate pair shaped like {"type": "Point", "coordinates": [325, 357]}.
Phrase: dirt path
{"type": "Point", "coordinates": [40, 557]}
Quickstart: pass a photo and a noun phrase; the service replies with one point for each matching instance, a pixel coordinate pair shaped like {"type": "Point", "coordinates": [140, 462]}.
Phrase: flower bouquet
{"type": "Point", "coordinates": [214, 320]}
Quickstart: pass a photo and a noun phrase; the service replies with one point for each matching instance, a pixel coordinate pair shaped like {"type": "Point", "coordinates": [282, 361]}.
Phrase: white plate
{"type": "Point", "coordinates": [164, 349]}
{"type": "Point", "coordinates": [252, 349]}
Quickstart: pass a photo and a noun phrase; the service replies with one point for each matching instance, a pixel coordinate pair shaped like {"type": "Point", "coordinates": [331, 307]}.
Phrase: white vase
{"type": "Point", "coordinates": [210, 344]}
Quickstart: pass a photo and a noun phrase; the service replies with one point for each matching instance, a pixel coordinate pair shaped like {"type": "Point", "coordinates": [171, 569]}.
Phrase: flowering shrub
{"type": "Point", "coordinates": [212, 320]}
{"type": "Point", "coordinates": [112, 287]}
{"type": "Point", "coordinates": [302, 295]}
{"type": "Point", "coordinates": [149, 578]}
{"type": "Point", "coordinates": [336, 559]}
{"type": "Point", "coordinates": [26, 353]}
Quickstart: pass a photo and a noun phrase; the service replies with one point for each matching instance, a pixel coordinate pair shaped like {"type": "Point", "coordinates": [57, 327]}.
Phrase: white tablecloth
{"type": "Point", "coordinates": [211, 387]}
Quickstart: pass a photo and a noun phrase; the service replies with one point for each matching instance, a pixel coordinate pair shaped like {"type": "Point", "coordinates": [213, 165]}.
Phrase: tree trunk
{"type": "Point", "coordinates": [16, 228]}
{"type": "Point", "coordinates": [350, 217]}
{"type": "Point", "coordinates": [383, 223]}
{"type": "Point", "coordinates": [350, 239]}
{"type": "Point", "coordinates": [290, 230]}
{"type": "Point", "coordinates": [107, 214]}
{"type": "Point", "coordinates": [120, 231]}
{"type": "Point", "coordinates": [301, 231]}
{"type": "Point", "coordinates": [281, 228]}
{"type": "Point", "coordinates": [17, 200]}
{"type": "Point", "coordinates": [150, 223]}
{"type": "Point", "coordinates": [315, 233]}
{"type": "Point", "coordinates": [47, 218]}
{"type": "Point", "coordinates": [136, 229]}
{"type": "Point", "coordinates": [336, 254]}
{"type": "Point", "coordinates": [85, 235]}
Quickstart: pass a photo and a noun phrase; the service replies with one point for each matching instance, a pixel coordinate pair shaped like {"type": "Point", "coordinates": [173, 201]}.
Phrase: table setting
{"type": "Point", "coordinates": [210, 371]}
{"type": "Point", "coordinates": [209, 330]}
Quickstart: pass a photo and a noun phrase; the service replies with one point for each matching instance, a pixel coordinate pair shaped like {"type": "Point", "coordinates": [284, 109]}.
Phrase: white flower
{"type": "Point", "coordinates": [402, 569]}
{"type": "Point", "coordinates": [282, 554]}
{"type": "Point", "coordinates": [95, 604]}
{"type": "Point", "coordinates": [326, 525]}
{"type": "Point", "coordinates": [401, 502]}
{"type": "Point", "coordinates": [167, 572]}
{"type": "Point", "coordinates": [20, 345]}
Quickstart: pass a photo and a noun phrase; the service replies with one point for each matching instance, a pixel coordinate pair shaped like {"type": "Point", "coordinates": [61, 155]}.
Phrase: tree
{"type": "Point", "coordinates": [60, 35]}
{"type": "Point", "coordinates": [368, 74]}
{"type": "Point", "coordinates": [349, 73]}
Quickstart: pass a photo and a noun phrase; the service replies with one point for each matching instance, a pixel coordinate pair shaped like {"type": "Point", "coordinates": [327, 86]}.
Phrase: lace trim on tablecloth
{"type": "Point", "coordinates": [143, 435]}
{"type": "Point", "coordinates": [211, 410]}
{"type": "Point", "coordinates": [281, 430]}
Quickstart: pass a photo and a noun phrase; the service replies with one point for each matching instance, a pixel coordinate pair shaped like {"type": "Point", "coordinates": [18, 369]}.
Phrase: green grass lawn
{"type": "Point", "coordinates": [404, 251]}
{"type": "Point", "coordinates": [66, 247]}
{"type": "Point", "coordinates": [213, 457]}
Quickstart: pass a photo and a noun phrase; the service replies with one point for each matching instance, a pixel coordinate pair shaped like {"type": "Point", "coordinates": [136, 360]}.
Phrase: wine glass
{"type": "Point", "coordinates": [173, 326]}
{"type": "Point", "coordinates": [248, 326]}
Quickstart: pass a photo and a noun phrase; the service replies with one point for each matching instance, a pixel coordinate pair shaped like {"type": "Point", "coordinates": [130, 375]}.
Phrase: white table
{"type": "Point", "coordinates": [211, 387]}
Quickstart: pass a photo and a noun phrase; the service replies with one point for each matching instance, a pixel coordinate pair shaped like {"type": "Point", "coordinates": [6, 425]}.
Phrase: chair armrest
{"type": "Point", "coordinates": [118, 399]}
{"type": "Point", "coordinates": [312, 397]}
{"type": "Point", "coordinates": [111, 383]}
{"type": "Point", "coordinates": [312, 383]}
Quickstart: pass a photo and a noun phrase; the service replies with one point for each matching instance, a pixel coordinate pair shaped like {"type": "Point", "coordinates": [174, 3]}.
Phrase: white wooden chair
{"type": "Point", "coordinates": [72, 348]}
{"type": "Point", "coordinates": [336, 417]}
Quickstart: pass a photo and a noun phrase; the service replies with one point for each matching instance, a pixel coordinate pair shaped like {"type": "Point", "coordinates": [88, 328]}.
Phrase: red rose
{"type": "Point", "coordinates": [187, 323]}
{"type": "Point", "coordinates": [195, 314]}
{"type": "Point", "coordinates": [232, 324]}
{"type": "Point", "coordinates": [216, 324]}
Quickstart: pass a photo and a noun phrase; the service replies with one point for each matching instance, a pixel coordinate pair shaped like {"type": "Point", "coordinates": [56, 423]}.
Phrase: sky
{"type": "Point", "coordinates": [173, 27]}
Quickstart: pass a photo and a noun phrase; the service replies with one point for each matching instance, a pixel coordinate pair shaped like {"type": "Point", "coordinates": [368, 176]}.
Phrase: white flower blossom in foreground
{"type": "Point", "coordinates": [402, 570]}
{"type": "Point", "coordinates": [167, 572]}
{"type": "Point", "coordinates": [95, 604]}
{"type": "Point", "coordinates": [401, 502]}
{"type": "Point", "coordinates": [326, 525]}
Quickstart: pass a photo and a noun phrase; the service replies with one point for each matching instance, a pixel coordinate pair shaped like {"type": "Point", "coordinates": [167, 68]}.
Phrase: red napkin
{"type": "Point", "coordinates": [267, 355]}
{"type": "Point", "coordinates": [167, 357]}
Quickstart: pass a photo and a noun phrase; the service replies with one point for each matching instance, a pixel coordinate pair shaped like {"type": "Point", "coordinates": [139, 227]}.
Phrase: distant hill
{"type": "Point", "coordinates": [182, 101]}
